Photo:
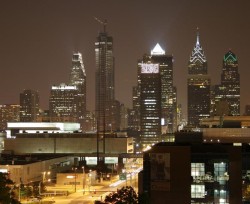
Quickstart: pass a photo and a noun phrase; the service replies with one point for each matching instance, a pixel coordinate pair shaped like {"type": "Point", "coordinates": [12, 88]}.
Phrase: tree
{"type": "Point", "coordinates": [125, 195]}
{"type": "Point", "coordinates": [7, 194]}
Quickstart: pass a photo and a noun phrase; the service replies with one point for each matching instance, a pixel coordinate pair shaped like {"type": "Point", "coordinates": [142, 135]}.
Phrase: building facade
{"type": "Point", "coordinates": [9, 113]}
{"type": "Point", "coordinates": [147, 86]}
{"type": "Point", "coordinates": [62, 103]}
{"type": "Point", "coordinates": [78, 79]}
{"type": "Point", "coordinates": [198, 86]}
{"type": "Point", "coordinates": [105, 88]}
{"type": "Point", "coordinates": [204, 173]}
{"type": "Point", "coordinates": [228, 92]}
{"type": "Point", "coordinates": [168, 91]}
{"type": "Point", "coordinates": [29, 105]}
{"type": "Point", "coordinates": [150, 102]}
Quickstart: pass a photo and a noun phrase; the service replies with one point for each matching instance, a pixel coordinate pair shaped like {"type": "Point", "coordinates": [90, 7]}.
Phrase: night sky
{"type": "Point", "coordinates": [38, 38]}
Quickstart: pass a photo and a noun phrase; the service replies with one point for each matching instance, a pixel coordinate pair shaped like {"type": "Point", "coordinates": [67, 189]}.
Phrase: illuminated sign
{"type": "Point", "coordinates": [149, 68]}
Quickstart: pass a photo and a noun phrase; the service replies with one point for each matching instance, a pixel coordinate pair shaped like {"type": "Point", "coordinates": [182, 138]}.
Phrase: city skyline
{"type": "Point", "coordinates": [38, 39]}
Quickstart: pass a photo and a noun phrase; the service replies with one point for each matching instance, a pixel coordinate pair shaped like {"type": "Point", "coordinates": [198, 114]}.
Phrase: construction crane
{"type": "Point", "coordinates": [104, 23]}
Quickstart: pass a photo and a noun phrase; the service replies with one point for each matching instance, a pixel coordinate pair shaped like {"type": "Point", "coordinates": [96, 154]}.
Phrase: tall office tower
{"type": "Point", "coordinates": [29, 106]}
{"type": "Point", "coordinates": [105, 108]}
{"type": "Point", "coordinates": [198, 86]}
{"type": "Point", "coordinates": [166, 91]}
{"type": "Point", "coordinates": [168, 95]}
{"type": "Point", "coordinates": [9, 113]}
{"type": "Point", "coordinates": [62, 106]}
{"type": "Point", "coordinates": [78, 79]}
{"type": "Point", "coordinates": [150, 102]}
{"type": "Point", "coordinates": [230, 83]}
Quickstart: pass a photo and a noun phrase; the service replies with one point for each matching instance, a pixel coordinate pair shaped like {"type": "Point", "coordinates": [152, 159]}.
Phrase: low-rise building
{"type": "Point", "coordinates": [190, 171]}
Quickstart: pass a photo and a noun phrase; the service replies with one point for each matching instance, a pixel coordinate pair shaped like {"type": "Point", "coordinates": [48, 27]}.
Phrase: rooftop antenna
{"type": "Point", "coordinates": [198, 36]}
{"type": "Point", "coordinates": [104, 23]}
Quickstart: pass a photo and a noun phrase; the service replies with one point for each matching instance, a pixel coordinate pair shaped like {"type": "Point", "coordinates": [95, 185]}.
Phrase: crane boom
{"type": "Point", "coordinates": [104, 23]}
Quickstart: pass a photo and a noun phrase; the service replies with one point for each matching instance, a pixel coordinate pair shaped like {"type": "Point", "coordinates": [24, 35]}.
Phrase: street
{"type": "Point", "coordinates": [95, 192]}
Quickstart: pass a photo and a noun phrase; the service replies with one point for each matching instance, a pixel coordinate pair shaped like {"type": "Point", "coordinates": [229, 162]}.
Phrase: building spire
{"type": "Point", "coordinates": [197, 53]}
{"type": "Point", "coordinates": [198, 36]}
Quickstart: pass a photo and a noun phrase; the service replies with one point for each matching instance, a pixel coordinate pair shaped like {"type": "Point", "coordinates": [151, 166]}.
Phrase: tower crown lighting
{"type": "Point", "coordinates": [157, 50]}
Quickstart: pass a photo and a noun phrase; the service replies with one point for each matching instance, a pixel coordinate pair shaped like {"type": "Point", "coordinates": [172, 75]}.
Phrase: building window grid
{"type": "Point", "coordinates": [197, 172]}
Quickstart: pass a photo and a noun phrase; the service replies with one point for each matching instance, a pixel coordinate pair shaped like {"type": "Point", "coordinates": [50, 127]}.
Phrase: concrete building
{"type": "Point", "coordinates": [29, 168]}
{"type": "Point", "coordinates": [61, 138]}
{"type": "Point", "coordinates": [189, 171]}
{"type": "Point", "coordinates": [66, 143]}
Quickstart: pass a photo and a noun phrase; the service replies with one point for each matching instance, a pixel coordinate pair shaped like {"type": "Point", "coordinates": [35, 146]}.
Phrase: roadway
{"type": "Point", "coordinates": [96, 192]}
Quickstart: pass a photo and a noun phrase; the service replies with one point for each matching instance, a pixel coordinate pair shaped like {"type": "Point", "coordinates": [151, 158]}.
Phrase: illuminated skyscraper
{"type": "Point", "coordinates": [150, 102]}
{"type": "Point", "coordinates": [105, 99]}
{"type": "Point", "coordinates": [230, 79]}
{"type": "Point", "coordinates": [168, 91]}
{"type": "Point", "coordinates": [29, 106]}
{"type": "Point", "coordinates": [198, 86]}
{"type": "Point", "coordinates": [157, 96]}
{"type": "Point", "coordinates": [78, 79]}
{"type": "Point", "coordinates": [229, 90]}
{"type": "Point", "coordinates": [62, 106]}
{"type": "Point", "coordinates": [68, 102]}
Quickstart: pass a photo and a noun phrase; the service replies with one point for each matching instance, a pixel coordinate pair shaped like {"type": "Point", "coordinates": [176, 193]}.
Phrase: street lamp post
{"type": "Point", "coordinates": [83, 180]}
{"type": "Point", "coordinates": [75, 177]}
{"type": "Point", "coordinates": [90, 179]}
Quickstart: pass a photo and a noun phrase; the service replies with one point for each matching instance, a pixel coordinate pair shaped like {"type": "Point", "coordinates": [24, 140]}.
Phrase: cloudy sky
{"type": "Point", "coordinates": [38, 38]}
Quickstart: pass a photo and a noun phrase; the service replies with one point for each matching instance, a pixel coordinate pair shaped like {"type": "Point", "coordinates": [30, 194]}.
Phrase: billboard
{"type": "Point", "coordinates": [160, 171]}
{"type": "Point", "coordinates": [149, 68]}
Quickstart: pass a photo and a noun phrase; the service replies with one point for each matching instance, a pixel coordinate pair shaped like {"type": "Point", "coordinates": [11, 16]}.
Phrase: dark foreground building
{"type": "Point", "coordinates": [192, 173]}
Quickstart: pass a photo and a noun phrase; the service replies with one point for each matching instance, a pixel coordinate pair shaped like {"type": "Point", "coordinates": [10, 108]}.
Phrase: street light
{"type": "Point", "coordinates": [90, 177]}
{"type": "Point", "coordinates": [83, 180]}
{"type": "Point", "coordinates": [44, 173]}
{"type": "Point", "coordinates": [75, 177]}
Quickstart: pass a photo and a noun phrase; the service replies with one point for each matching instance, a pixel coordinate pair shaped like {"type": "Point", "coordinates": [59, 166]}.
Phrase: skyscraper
{"type": "Point", "coordinates": [29, 106]}
{"type": "Point", "coordinates": [105, 99]}
{"type": "Point", "coordinates": [230, 83]}
{"type": "Point", "coordinates": [168, 91]}
{"type": "Point", "coordinates": [198, 86]}
{"type": "Point", "coordinates": [150, 102]}
{"type": "Point", "coordinates": [78, 79]}
{"type": "Point", "coordinates": [148, 86]}
{"type": "Point", "coordinates": [62, 103]}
